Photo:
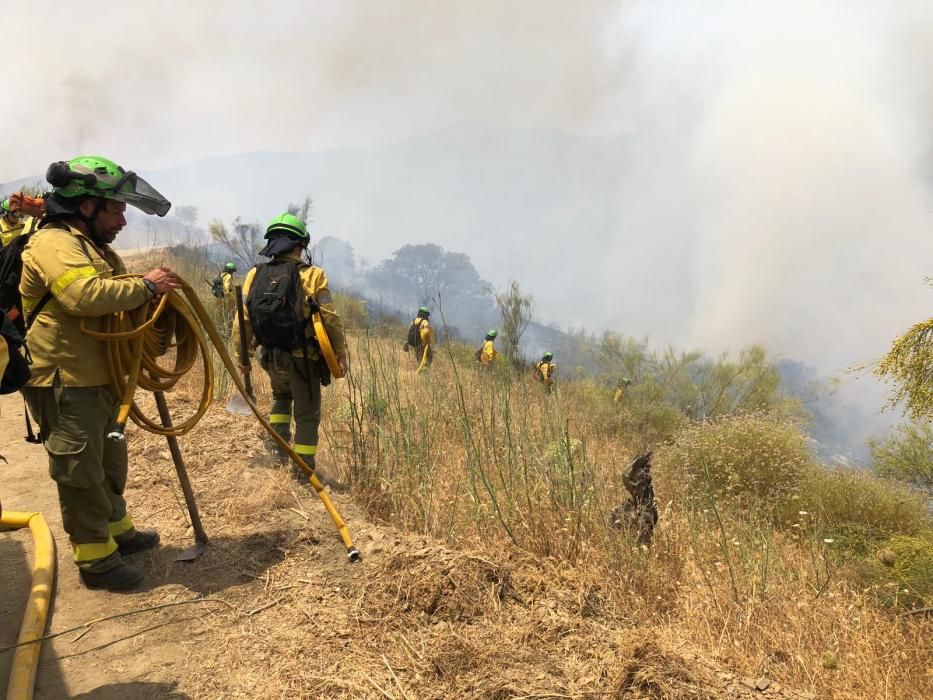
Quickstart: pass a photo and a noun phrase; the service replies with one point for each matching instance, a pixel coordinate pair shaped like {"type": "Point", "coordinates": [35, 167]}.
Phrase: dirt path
{"type": "Point", "coordinates": [145, 655]}
{"type": "Point", "coordinates": [98, 665]}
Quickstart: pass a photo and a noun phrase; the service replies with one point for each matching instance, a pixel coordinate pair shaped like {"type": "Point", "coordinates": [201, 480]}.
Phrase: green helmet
{"type": "Point", "coordinates": [549, 356]}
{"type": "Point", "coordinates": [92, 176]}
{"type": "Point", "coordinates": [230, 267]}
{"type": "Point", "coordinates": [424, 311]}
{"type": "Point", "coordinates": [5, 205]}
{"type": "Point", "coordinates": [290, 225]}
{"type": "Point", "coordinates": [492, 333]}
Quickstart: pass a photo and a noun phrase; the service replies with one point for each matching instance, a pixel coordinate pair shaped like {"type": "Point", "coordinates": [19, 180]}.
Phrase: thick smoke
{"type": "Point", "coordinates": [776, 184]}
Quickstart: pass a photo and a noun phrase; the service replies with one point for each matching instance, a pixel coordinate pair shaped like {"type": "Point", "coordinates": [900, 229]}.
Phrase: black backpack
{"type": "Point", "coordinates": [13, 323]}
{"type": "Point", "coordinates": [17, 371]}
{"type": "Point", "coordinates": [414, 334]}
{"type": "Point", "coordinates": [276, 306]}
{"type": "Point", "coordinates": [217, 287]}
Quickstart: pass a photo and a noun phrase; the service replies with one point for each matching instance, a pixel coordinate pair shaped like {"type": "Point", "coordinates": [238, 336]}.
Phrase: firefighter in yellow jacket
{"type": "Point", "coordinates": [545, 371]}
{"type": "Point", "coordinates": [421, 337]}
{"type": "Point", "coordinates": [68, 279]}
{"type": "Point", "coordinates": [19, 216]}
{"type": "Point", "coordinates": [13, 223]}
{"type": "Point", "coordinates": [280, 297]}
{"type": "Point", "coordinates": [487, 353]}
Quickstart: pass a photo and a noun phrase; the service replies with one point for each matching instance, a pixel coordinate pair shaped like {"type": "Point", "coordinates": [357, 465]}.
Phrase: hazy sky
{"type": "Point", "coordinates": [780, 168]}
{"type": "Point", "coordinates": [169, 81]}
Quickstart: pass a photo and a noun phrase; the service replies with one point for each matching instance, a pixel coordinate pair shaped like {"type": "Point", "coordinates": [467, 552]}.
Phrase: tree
{"type": "Point", "coordinates": [242, 241]}
{"type": "Point", "coordinates": [909, 368]}
{"type": "Point", "coordinates": [515, 309]}
{"type": "Point", "coordinates": [417, 275]}
{"type": "Point", "coordinates": [906, 455]}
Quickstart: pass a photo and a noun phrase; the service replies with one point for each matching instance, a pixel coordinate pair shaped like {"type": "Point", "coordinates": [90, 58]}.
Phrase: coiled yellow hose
{"type": "Point", "coordinates": [136, 339]}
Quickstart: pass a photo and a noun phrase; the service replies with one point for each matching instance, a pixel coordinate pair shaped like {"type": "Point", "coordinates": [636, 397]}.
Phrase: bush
{"type": "Point", "coordinates": [906, 455]}
{"type": "Point", "coordinates": [903, 570]}
{"type": "Point", "coordinates": [352, 310]}
{"type": "Point", "coordinates": [751, 458]}
{"type": "Point", "coordinates": [858, 508]}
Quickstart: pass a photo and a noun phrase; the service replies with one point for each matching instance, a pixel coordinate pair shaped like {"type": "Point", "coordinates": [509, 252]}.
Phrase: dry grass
{"type": "Point", "coordinates": [489, 571]}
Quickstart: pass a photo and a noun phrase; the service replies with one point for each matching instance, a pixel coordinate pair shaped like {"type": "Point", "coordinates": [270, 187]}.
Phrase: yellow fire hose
{"type": "Point", "coordinates": [26, 657]}
{"type": "Point", "coordinates": [424, 359]}
{"type": "Point", "coordinates": [135, 339]}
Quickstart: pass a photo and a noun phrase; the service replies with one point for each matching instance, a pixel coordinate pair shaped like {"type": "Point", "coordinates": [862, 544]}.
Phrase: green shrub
{"type": "Point", "coordinates": [352, 310]}
{"type": "Point", "coordinates": [906, 454]}
{"type": "Point", "coordinates": [904, 575]}
{"type": "Point", "coordinates": [856, 507]}
{"type": "Point", "coordinates": [749, 458]}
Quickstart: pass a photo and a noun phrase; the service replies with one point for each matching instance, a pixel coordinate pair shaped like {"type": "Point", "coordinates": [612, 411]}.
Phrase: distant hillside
{"type": "Point", "coordinates": [489, 192]}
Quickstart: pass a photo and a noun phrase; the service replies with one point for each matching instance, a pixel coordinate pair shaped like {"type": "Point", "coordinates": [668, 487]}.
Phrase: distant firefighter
{"type": "Point", "coordinates": [621, 386]}
{"type": "Point", "coordinates": [487, 354]}
{"type": "Point", "coordinates": [420, 338]}
{"type": "Point", "coordinates": [545, 371]}
{"type": "Point", "coordinates": [639, 514]}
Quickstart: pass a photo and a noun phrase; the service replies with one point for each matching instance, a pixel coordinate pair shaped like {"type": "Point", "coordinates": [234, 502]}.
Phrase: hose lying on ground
{"type": "Point", "coordinates": [136, 339]}
{"type": "Point", "coordinates": [26, 658]}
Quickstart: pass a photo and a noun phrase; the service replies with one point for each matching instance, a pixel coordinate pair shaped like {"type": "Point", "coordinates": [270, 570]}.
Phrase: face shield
{"type": "Point", "coordinates": [135, 191]}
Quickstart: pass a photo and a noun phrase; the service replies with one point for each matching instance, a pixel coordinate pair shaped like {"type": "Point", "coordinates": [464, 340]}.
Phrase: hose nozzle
{"type": "Point", "coordinates": [353, 555]}
{"type": "Point", "coordinates": [117, 434]}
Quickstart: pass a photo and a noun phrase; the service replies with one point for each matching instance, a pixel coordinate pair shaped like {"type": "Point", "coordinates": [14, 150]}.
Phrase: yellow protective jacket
{"type": "Point", "coordinates": [10, 231]}
{"type": "Point", "coordinates": [425, 332]}
{"type": "Point", "coordinates": [547, 370]}
{"type": "Point", "coordinates": [488, 352]}
{"type": "Point", "coordinates": [314, 284]}
{"type": "Point", "coordinates": [226, 279]}
{"type": "Point", "coordinates": [66, 262]}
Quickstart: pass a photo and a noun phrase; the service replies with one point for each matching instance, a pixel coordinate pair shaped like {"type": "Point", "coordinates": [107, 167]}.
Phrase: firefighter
{"type": "Point", "coordinates": [67, 280]}
{"type": "Point", "coordinates": [226, 279]}
{"type": "Point", "coordinates": [545, 371]}
{"type": "Point", "coordinates": [420, 338]}
{"type": "Point", "coordinates": [12, 223]}
{"type": "Point", "coordinates": [289, 354]}
{"type": "Point", "coordinates": [487, 352]}
{"type": "Point", "coordinates": [19, 216]}
{"type": "Point", "coordinates": [621, 385]}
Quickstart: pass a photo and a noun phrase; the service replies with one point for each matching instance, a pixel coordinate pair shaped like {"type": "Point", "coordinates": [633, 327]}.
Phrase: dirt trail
{"type": "Point", "coordinates": [414, 620]}
{"type": "Point", "coordinates": [144, 655]}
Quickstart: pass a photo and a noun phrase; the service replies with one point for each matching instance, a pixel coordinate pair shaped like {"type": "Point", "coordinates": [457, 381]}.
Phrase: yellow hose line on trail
{"type": "Point", "coordinates": [424, 359]}
{"type": "Point", "coordinates": [26, 658]}
{"type": "Point", "coordinates": [136, 339]}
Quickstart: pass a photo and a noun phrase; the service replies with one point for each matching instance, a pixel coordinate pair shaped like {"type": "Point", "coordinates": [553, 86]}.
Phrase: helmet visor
{"type": "Point", "coordinates": [134, 190]}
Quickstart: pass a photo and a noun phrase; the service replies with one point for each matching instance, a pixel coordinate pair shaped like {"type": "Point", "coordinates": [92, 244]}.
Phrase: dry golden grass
{"type": "Point", "coordinates": [481, 507]}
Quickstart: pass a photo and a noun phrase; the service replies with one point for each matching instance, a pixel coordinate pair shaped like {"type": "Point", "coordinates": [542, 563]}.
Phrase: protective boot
{"type": "Point", "coordinates": [120, 578]}
{"type": "Point", "coordinates": [139, 542]}
{"type": "Point", "coordinates": [299, 473]}
{"type": "Point", "coordinates": [276, 452]}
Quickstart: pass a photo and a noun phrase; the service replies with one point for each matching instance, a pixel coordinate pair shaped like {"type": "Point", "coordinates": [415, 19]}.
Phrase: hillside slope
{"type": "Point", "coordinates": [415, 619]}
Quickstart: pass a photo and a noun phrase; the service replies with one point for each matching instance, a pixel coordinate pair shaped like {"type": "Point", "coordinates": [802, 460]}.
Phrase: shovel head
{"type": "Point", "coordinates": [193, 552]}
{"type": "Point", "coordinates": [238, 405]}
